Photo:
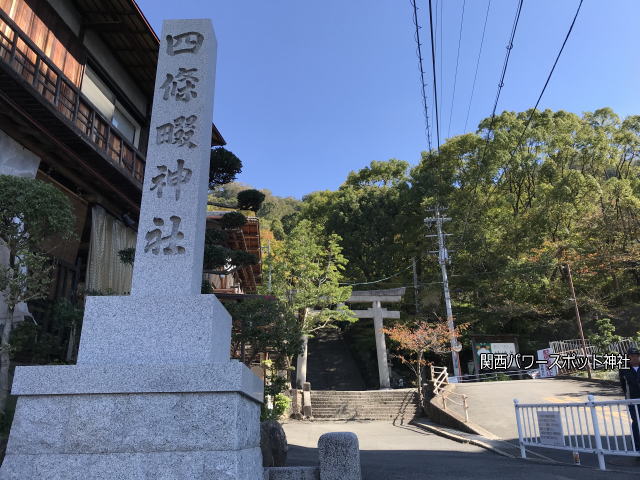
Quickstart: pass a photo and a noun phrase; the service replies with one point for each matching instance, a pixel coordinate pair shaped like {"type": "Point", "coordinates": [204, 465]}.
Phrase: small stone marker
{"type": "Point", "coordinates": [339, 454]}
{"type": "Point", "coordinates": [154, 394]}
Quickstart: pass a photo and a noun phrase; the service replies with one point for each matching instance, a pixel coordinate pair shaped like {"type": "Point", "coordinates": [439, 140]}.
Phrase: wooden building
{"type": "Point", "coordinates": [76, 88]}
{"type": "Point", "coordinates": [229, 283]}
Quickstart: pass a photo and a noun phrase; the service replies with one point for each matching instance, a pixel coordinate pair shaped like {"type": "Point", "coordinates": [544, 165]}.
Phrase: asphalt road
{"type": "Point", "coordinates": [491, 403]}
{"type": "Point", "coordinates": [391, 452]}
{"type": "Point", "coordinates": [491, 407]}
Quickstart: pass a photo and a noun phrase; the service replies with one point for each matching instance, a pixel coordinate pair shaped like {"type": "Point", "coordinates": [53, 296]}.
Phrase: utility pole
{"type": "Point", "coordinates": [443, 259]}
{"type": "Point", "coordinates": [415, 285]}
{"type": "Point", "coordinates": [269, 255]}
{"type": "Point", "coordinates": [575, 304]}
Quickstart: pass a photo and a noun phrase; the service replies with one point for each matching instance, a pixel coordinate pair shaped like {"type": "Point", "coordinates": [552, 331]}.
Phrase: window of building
{"type": "Point", "coordinates": [101, 96]}
{"type": "Point", "coordinates": [49, 33]}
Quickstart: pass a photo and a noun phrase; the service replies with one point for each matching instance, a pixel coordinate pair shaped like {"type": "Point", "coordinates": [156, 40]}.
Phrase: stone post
{"type": "Point", "coordinates": [339, 454]}
{"type": "Point", "coordinates": [381, 345]}
{"type": "Point", "coordinates": [154, 394]}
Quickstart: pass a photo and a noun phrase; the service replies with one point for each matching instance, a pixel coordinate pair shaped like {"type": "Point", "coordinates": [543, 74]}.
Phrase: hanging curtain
{"type": "Point", "coordinates": [105, 271]}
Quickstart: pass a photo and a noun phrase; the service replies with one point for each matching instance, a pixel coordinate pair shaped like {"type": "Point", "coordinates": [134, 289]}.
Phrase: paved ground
{"type": "Point", "coordinates": [491, 403]}
{"type": "Point", "coordinates": [391, 452]}
{"type": "Point", "coordinates": [491, 407]}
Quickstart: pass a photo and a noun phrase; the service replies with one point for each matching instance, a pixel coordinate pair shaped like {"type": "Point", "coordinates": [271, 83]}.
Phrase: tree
{"type": "Point", "coordinates": [250, 200]}
{"type": "Point", "coordinates": [306, 270]}
{"type": "Point", "coordinates": [605, 335]}
{"type": "Point", "coordinates": [365, 212]}
{"type": "Point", "coordinates": [224, 166]}
{"type": "Point", "coordinates": [30, 212]}
{"type": "Point", "coordinates": [232, 220]}
{"type": "Point", "coordinates": [265, 325]}
{"type": "Point", "coordinates": [414, 341]}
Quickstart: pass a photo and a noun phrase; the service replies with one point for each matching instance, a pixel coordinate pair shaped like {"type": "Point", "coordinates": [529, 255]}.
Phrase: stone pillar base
{"type": "Point", "coordinates": [192, 422]}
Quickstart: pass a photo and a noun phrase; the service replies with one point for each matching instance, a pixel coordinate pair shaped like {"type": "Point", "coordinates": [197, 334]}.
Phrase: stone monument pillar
{"type": "Point", "coordinates": [154, 394]}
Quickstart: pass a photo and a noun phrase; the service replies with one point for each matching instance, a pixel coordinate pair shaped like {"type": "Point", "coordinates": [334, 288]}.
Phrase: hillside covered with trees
{"type": "Point", "coordinates": [524, 200]}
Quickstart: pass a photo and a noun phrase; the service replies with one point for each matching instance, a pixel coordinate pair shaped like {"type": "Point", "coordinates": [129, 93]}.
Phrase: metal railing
{"type": "Point", "coordinates": [50, 83]}
{"type": "Point", "coordinates": [598, 427]}
{"type": "Point", "coordinates": [574, 346]}
{"type": "Point", "coordinates": [496, 376]}
{"type": "Point", "coordinates": [440, 381]}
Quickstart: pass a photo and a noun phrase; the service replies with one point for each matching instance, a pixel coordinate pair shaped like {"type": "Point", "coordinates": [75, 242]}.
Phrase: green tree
{"type": "Point", "coordinates": [605, 335]}
{"type": "Point", "coordinates": [30, 212]}
{"type": "Point", "coordinates": [224, 167]}
{"type": "Point", "coordinates": [306, 270]}
{"type": "Point", "coordinates": [366, 212]}
{"type": "Point", "coordinates": [250, 199]}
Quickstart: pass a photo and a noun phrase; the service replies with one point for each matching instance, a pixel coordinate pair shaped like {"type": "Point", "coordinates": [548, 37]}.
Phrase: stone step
{"type": "Point", "coordinates": [365, 405]}
{"type": "Point", "coordinates": [365, 408]}
{"type": "Point", "coordinates": [364, 417]}
{"type": "Point", "coordinates": [363, 399]}
{"type": "Point", "coordinates": [356, 396]}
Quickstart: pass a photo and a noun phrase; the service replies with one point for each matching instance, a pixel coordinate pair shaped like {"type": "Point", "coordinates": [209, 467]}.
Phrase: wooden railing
{"type": "Point", "coordinates": [27, 60]}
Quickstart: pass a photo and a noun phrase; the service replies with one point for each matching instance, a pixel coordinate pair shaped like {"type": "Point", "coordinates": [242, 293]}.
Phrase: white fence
{"type": "Point", "coordinates": [602, 427]}
{"type": "Point", "coordinates": [440, 378]}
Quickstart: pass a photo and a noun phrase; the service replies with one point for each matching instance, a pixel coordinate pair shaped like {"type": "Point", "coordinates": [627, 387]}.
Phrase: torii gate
{"type": "Point", "coordinates": [377, 298]}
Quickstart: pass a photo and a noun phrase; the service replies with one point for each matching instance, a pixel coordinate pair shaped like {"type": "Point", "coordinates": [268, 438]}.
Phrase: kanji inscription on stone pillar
{"type": "Point", "coordinates": [170, 246]}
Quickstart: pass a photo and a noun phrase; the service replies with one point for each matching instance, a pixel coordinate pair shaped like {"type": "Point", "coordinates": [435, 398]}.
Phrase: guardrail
{"type": "Point", "coordinates": [598, 427]}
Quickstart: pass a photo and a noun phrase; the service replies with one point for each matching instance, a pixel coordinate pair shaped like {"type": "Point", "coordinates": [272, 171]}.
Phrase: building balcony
{"type": "Point", "coordinates": [33, 85]}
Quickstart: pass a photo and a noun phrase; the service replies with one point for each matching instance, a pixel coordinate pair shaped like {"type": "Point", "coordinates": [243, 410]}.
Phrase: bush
{"type": "Point", "coordinates": [281, 405]}
{"type": "Point", "coordinates": [233, 220]}
{"type": "Point", "coordinates": [250, 200]}
{"type": "Point", "coordinates": [223, 167]}
{"type": "Point", "coordinates": [127, 255]}
{"type": "Point", "coordinates": [216, 257]}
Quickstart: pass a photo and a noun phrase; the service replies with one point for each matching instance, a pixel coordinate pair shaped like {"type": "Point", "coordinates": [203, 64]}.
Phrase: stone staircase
{"type": "Point", "coordinates": [397, 406]}
{"type": "Point", "coordinates": [330, 365]}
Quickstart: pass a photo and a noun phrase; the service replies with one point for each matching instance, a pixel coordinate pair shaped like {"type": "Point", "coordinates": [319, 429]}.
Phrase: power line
{"type": "Point", "coordinates": [433, 65]}
{"type": "Point", "coordinates": [441, 44]}
{"type": "Point", "coordinates": [493, 113]}
{"type": "Point", "coordinates": [420, 63]}
{"type": "Point", "coordinates": [502, 75]}
{"type": "Point", "coordinates": [475, 76]}
{"type": "Point", "coordinates": [566, 38]}
{"type": "Point", "coordinates": [533, 111]}
{"type": "Point", "coordinates": [455, 77]}
{"type": "Point", "coordinates": [380, 280]}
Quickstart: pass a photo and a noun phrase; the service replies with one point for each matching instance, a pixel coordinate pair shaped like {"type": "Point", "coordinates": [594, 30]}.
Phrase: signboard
{"type": "Point", "coordinates": [508, 348]}
{"type": "Point", "coordinates": [545, 371]}
{"type": "Point", "coordinates": [482, 347]}
{"type": "Point", "coordinates": [550, 428]}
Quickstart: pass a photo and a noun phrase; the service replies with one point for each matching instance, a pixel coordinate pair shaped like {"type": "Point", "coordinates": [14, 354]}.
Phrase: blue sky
{"type": "Point", "coordinates": [310, 90]}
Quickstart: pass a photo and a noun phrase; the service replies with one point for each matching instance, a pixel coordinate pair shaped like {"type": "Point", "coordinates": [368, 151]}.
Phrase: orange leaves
{"type": "Point", "coordinates": [424, 336]}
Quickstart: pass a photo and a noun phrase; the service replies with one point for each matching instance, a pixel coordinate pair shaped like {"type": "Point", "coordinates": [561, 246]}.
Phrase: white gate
{"type": "Point", "coordinates": [602, 428]}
